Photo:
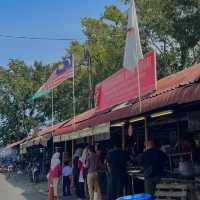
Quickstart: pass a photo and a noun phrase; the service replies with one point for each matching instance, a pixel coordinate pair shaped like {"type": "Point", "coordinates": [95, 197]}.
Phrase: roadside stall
{"type": "Point", "coordinates": [78, 131]}
{"type": "Point", "coordinates": [38, 148]}
{"type": "Point", "coordinates": [168, 114]}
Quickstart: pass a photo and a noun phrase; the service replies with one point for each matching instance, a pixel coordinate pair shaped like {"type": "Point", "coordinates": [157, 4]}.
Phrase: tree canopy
{"type": "Point", "coordinates": [169, 27]}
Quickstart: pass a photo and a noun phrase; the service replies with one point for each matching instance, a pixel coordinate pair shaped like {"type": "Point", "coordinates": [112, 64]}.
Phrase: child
{"type": "Point", "coordinates": [67, 172]}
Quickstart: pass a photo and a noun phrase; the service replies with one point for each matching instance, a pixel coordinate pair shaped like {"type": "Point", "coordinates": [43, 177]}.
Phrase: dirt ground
{"type": "Point", "coordinates": [19, 187]}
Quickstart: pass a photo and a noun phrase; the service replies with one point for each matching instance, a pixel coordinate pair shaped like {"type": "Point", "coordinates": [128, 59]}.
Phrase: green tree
{"type": "Point", "coordinates": [170, 27]}
{"type": "Point", "coordinates": [18, 115]}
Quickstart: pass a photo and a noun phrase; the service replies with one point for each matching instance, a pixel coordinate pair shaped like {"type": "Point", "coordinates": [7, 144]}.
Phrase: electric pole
{"type": "Point", "coordinates": [90, 99]}
{"type": "Point", "coordinates": [87, 62]}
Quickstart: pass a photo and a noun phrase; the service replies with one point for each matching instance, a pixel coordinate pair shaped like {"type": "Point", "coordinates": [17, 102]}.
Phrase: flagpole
{"type": "Point", "coordinates": [139, 89]}
{"type": "Point", "coordinates": [52, 113]}
{"type": "Point", "coordinates": [138, 82]}
{"type": "Point", "coordinates": [90, 81]}
{"type": "Point", "coordinates": [137, 57]}
{"type": "Point", "coordinates": [52, 108]}
{"type": "Point", "coordinates": [74, 100]}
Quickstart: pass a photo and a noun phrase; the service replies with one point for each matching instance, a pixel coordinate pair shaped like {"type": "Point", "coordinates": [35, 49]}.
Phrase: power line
{"type": "Point", "coordinates": [37, 38]}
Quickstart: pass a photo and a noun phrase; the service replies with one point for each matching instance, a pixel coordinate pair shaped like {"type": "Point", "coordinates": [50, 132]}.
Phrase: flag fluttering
{"type": "Point", "coordinates": [64, 71]}
{"type": "Point", "coordinates": [40, 93]}
{"type": "Point", "coordinates": [133, 50]}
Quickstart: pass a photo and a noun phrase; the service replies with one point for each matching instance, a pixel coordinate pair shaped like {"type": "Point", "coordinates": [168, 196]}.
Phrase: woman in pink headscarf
{"type": "Point", "coordinates": [55, 173]}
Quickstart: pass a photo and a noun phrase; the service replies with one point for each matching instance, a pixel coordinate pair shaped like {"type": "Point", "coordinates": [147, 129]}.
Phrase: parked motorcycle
{"type": "Point", "coordinates": [36, 172]}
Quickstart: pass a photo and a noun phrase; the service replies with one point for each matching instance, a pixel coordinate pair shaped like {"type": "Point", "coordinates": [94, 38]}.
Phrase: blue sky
{"type": "Point", "coordinates": [46, 18]}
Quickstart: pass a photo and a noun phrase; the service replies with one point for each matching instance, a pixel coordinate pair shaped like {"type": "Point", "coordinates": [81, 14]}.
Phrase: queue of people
{"type": "Point", "coordinates": [97, 174]}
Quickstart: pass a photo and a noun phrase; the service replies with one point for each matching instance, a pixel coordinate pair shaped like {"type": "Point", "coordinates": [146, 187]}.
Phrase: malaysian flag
{"type": "Point", "coordinates": [64, 71]}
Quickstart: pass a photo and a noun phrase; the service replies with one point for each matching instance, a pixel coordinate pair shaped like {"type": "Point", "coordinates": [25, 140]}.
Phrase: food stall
{"type": "Point", "coordinates": [168, 114]}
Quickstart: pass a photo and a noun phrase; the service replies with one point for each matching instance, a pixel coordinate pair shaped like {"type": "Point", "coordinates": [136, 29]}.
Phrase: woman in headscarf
{"type": "Point", "coordinates": [75, 171]}
{"type": "Point", "coordinates": [55, 173]}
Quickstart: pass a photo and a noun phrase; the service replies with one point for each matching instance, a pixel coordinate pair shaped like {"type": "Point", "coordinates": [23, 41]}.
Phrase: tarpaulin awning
{"type": "Point", "coordinates": [92, 131]}
{"type": "Point", "coordinates": [40, 138]}
{"type": "Point", "coordinates": [72, 125]}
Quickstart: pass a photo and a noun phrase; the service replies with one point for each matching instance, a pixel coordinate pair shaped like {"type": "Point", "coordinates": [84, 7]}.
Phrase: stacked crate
{"type": "Point", "coordinates": [172, 191]}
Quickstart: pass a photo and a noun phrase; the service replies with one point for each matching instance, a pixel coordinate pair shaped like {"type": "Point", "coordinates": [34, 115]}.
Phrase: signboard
{"type": "Point", "coordinates": [124, 84]}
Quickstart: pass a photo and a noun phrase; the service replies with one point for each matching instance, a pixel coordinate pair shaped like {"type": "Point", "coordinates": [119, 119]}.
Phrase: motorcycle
{"type": "Point", "coordinates": [36, 172]}
{"type": "Point", "coordinates": [28, 171]}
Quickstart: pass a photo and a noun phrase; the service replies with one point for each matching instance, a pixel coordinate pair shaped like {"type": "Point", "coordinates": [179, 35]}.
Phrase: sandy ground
{"type": "Point", "coordinates": [18, 187]}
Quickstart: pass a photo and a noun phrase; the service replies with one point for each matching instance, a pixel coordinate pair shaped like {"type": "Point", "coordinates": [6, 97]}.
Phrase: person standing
{"type": "Point", "coordinates": [67, 172]}
{"type": "Point", "coordinates": [55, 173]}
{"type": "Point", "coordinates": [102, 178]}
{"type": "Point", "coordinates": [116, 164]}
{"type": "Point", "coordinates": [75, 171]}
{"type": "Point", "coordinates": [81, 179]}
{"type": "Point", "coordinates": [92, 178]}
{"type": "Point", "coordinates": [83, 160]}
{"type": "Point", "coordinates": [154, 162]}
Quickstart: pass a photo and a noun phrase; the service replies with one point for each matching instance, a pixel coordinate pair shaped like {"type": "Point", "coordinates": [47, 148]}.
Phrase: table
{"type": "Point", "coordinates": [135, 174]}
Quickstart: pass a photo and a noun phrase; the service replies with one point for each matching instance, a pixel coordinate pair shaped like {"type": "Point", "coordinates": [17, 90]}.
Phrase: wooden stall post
{"type": "Point", "coordinates": [146, 134]}
{"type": "Point", "coordinates": [53, 147]}
{"type": "Point", "coordinates": [65, 146]}
{"type": "Point", "coordinates": [92, 140]}
{"type": "Point", "coordinates": [123, 137]}
{"type": "Point", "coordinates": [178, 134]}
{"type": "Point", "coordinates": [72, 148]}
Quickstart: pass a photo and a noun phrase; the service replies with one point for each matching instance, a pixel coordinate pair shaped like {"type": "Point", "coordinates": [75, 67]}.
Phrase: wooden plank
{"type": "Point", "coordinates": [160, 198]}
{"type": "Point", "coordinates": [171, 198]}
{"type": "Point", "coordinates": [171, 194]}
{"type": "Point", "coordinates": [172, 186]}
{"type": "Point", "coordinates": [177, 181]}
{"type": "Point", "coordinates": [165, 198]}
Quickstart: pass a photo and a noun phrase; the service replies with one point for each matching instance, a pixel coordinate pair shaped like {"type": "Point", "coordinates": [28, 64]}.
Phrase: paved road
{"type": "Point", "coordinates": [16, 188]}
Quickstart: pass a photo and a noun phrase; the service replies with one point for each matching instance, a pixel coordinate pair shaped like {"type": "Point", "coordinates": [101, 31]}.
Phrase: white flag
{"type": "Point", "coordinates": [133, 50]}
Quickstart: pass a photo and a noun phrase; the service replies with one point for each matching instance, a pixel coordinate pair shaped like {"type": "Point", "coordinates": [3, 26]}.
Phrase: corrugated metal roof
{"type": "Point", "coordinates": [178, 88]}
{"type": "Point", "coordinates": [181, 95]}
{"type": "Point", "coordinates": [79, 118]}
{"type": "Point", "coordinates": [184, 77]}
{"type": "Point", "coordinates": [50, 129]}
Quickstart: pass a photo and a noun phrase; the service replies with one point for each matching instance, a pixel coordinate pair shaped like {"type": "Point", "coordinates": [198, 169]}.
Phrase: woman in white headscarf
{"type": "Point", "coordinates": [55, 173]}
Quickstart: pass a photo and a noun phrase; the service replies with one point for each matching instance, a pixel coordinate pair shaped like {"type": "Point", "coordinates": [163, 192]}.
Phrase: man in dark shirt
{"type": "Point", "coordinates": [116, 164]}
{"type": "Point", "coordinates": [154, 162]}
{"type": "Point", "coordinates": [92, 166]}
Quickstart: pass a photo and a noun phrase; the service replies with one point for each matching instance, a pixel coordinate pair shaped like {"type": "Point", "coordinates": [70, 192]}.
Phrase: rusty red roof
{"type": "Point", "coordinates": [50, 128]}
{"type": "Point", "coordinates": [179, 88]}
{"type": "Point", "coordinates": [184, 77]}
{"type": "Point", "coordinates": [79, 118]}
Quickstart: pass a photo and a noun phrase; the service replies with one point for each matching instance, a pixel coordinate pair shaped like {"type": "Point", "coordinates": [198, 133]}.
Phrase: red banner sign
{"type": "Point", "coordinates": [125, 84]}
